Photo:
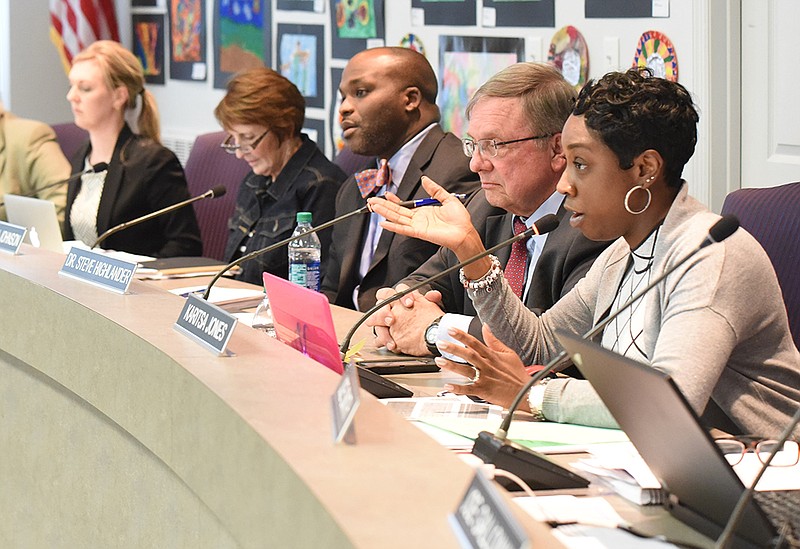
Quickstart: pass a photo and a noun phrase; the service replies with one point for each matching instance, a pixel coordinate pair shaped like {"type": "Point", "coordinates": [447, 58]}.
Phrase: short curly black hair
{"type": "Point", "coordinates": [632, 112]}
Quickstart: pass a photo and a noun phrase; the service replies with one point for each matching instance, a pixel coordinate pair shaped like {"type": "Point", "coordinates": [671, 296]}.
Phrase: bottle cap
{"type": "Point", "coordinates": [304, 217]}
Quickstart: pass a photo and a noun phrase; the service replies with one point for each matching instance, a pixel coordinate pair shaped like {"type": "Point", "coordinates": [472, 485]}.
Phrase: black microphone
{"type": "Point", "coordinates": [726, 537]}
{"type": "Point", "coordinates": [543, 225]}
{"type": "Point", "coordinates": [280, 244]}
{"type": "Point", "coordinates": [216, 192]}
{"type": "Point", "coordinates": [97, 168]}
{"type": "Point", "coordinates": [531, 466]}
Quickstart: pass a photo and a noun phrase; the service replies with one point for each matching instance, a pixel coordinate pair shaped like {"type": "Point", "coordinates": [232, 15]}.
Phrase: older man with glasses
{"type": "Point", "coordinates": [263, 113]}
{"type": "Point", "coordinates": [514, 145]}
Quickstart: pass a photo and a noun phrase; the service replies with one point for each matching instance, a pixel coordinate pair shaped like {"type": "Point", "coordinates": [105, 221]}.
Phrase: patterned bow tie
{"type": "Point", "coordinates": [369, 180]}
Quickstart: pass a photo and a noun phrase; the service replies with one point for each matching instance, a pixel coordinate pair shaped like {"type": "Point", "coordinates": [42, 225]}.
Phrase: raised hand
{"type": "Point", "coordinates": [497, 372]}
{"type": "Point", "coordinates": [447, 225]}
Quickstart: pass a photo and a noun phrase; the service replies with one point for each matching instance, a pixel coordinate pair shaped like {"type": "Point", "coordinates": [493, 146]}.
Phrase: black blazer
{"type": "Point", "coordinates": [440, 157]}
{"type": "Point", "coordinates": [142, 177]}
{"type": "Point", "coordinates": [566, 257]}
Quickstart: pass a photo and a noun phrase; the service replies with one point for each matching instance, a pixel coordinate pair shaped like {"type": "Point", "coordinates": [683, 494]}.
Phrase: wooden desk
{"type": "Point", "coordinates": [118, 431]}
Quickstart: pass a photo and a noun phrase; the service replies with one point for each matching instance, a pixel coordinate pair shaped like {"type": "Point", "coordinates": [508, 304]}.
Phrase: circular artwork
{"type": "Point", "coordinates": [413, 42]}
{"type": "Point", "coordinates": [656, 52]}
{"type": "Point", "coordinates": [569, 54]}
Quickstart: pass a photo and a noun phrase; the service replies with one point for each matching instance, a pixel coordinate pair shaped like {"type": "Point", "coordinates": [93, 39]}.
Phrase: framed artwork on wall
{"type": "Point", "coordinates": [302, 5]}
{"type": "Point", "coordinates": [618, 8]}
{"type": "Point", "coordinates": [147, 32]}
{"type": "Point", "coordinates": [315, 129]}
{"type": "Point", "coordinates": [241, 37]}
{"type": "Point", "coordinates": [355, 26]}
{"type": "Point", "coordinates": [466, 62]}
{"type": "Point", "coordinates": [444, 12]}
{"type": "Point", "coordinates": [337, 141]}
{"type": "Point", "coordinates": [521, 13]}
{"type": "Point", "coordinates": [301, 60]}
{"type": "Point", "coordinates": [187, 36]}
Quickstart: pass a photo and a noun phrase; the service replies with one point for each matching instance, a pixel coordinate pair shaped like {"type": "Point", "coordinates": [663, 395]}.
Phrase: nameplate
{"type": "Point", "coordinates": [344, 402]}
{"type": "Point", "coordinates": [206, 324]}
{"type": "Point", "coordinates": [482, 519]}
{"type": "Point", "coordinates": [99, 269]}
{"type": "Point", "coordinates": [11, 237]}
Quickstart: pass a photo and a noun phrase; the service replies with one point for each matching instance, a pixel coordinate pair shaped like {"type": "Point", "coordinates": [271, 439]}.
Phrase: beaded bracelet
{"type": "Point", "coordinates": [484, 282]}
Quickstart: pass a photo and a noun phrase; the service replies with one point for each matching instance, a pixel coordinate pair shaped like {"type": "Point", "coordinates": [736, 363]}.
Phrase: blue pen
{"type": "Point", "coordinates": [420, 202]}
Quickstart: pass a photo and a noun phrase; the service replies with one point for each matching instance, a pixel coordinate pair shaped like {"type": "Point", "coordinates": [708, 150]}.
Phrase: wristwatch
{"type": "Point", "coordinates": [431, 333]}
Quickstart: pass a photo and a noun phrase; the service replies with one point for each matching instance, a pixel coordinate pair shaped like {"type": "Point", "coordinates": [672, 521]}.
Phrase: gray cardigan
{"type": "Point", "coordinates": [717, 325]}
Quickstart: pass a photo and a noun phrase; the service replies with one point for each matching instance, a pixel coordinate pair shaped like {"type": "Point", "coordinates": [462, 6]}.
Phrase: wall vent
{"type": "Point", "coordinates": [181, 145]}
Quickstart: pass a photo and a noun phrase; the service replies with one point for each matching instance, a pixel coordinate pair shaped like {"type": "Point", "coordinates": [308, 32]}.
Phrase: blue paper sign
{"type": "Point", "coordinates": [206, 324]}
{"type": "Point", "coordinates": [99, 269]}
{"type": "Point", "coordinates": [11, 237]}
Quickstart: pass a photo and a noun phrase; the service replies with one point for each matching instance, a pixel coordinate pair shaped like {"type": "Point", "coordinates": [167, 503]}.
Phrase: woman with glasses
{"type": "Point", "coordinates": [717, 324]}
{"type": "Point", "coordinates": [263, 113]}
{"type": "Point", "coordinates": [109, 100]}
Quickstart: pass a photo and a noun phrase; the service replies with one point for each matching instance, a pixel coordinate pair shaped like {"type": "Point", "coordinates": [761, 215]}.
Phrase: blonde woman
{"type": "Point", "coordinates": [108, 100]}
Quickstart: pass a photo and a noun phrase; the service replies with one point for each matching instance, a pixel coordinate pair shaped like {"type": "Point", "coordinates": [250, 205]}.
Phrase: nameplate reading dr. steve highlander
{"type": "Point", "coordinates": [98, 269]}
{"type": "Point", "coordinates": [206, 323]}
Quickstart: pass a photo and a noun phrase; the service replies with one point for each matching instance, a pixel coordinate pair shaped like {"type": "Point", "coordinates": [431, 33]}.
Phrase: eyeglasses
{"type": "Point", "coordinates": [244, 148]}
{"type": "Point", "coordinates": [734, 450]}
{"type": "Point", "coordinates": [489, 147]}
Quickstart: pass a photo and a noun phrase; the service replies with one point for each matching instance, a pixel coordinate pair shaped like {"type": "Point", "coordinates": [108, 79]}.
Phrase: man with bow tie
{"type": "Point", "coordinates": [388, 111]}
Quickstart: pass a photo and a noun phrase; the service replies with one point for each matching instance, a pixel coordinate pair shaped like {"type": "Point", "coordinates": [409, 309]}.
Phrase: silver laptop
{"type": "Point", "coordinates": [39, 217]}
{"type": "Point", "coordinates": [702, 487]}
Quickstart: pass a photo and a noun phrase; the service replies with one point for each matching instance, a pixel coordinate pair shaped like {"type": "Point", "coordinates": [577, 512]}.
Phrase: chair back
{"type": "Point", "coordinates": [772, 216]}
{"type": "Point", "coordinates": [209, 165]}
{"type": "Point", "coordinates": [70, 137]}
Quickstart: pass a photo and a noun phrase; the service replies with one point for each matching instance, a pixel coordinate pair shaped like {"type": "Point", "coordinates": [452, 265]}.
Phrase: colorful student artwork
{"type": "Point", "coordinates": [569, 53]}
{"type": "Point", "coordinates": [298, 61]}
{"type": "Point", "coordinates": [355, 19]}
{"type": "Point", "coordinates": [462, 73]}
{"type": "Point", "coordinates": [186, 20]}
{"type": "Point", "coordinates": [148, 45]}
{"type": "Point", "coordinates": [656, 52]}
{"type": "Point", "coordinates": [413, 42]}
{"type": "Point", "coordinates": [241, 27]}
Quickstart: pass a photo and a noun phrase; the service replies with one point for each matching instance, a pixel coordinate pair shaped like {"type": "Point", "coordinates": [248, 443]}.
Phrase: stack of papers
{"type": "Point", "coordinates": [222, 297]}
{"type": "Point", "coordinates": [621, 468]}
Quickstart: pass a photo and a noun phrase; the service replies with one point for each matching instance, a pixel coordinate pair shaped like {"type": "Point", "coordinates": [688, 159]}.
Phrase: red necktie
{"type": "Point", "coordinates": [515, 268]}
{"type": "Point", "coordinates": [369, 180]}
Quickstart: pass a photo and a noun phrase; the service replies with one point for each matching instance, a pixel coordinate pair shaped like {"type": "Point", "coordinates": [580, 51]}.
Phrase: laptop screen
{"type": "Point", "coordinates": [303, 321]}
{"type": "Point", "coordinates": [39, 217]}
{"type": "Point", "coordinates": [665, 430]}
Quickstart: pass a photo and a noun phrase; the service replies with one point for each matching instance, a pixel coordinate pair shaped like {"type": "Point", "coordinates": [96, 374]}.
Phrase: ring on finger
{"type": "Point", "coordinates": [477, 375]}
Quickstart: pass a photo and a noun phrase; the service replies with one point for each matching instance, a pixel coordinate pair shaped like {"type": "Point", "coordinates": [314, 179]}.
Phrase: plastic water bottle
{"type": "Point", "coordinates": [304, 255]}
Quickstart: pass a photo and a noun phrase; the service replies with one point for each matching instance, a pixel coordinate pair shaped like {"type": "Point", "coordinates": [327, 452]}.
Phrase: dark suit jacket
{"type": "Point", "coordinates": [142, 177]}
{"type": "Point", "coordinates": [566, 257]}
{"type": "Point", "coordinates": [440, 157]}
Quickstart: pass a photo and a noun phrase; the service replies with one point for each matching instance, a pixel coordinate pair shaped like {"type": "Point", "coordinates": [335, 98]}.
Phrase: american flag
{"type": "Point", "coordinates": [74, 24]}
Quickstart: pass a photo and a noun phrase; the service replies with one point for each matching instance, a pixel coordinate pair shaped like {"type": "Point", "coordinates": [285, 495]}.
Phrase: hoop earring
{"type": "Point", "coordinates": [628, 197]}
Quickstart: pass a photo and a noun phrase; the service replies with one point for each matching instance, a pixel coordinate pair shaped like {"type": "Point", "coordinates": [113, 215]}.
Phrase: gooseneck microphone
{"type": "Point", "coordinates": [216, 192]}
{"type": "Point", "coordinates": [97, 168]}
{"type": "Point", "coordinates": [523, 461]}
{"type": "Point", "coordinates": [726, 537]}
{"type": "Point", "coordinates": [543, 225]}
{"type": "Point", "coordinates": [280, 244]}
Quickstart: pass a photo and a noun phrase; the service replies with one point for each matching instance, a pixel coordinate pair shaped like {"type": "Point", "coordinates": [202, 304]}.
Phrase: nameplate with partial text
{"type": "Point", "coordinates": [11, 237]}
{"type": "Point", "coordinates": [344, 403]}
{"type": "Point", "coordinates": [206, 324]}
{"type": "Point", "coordinates": [99, 269]}
{"type": "Point", "coordinates": [482, 519]}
